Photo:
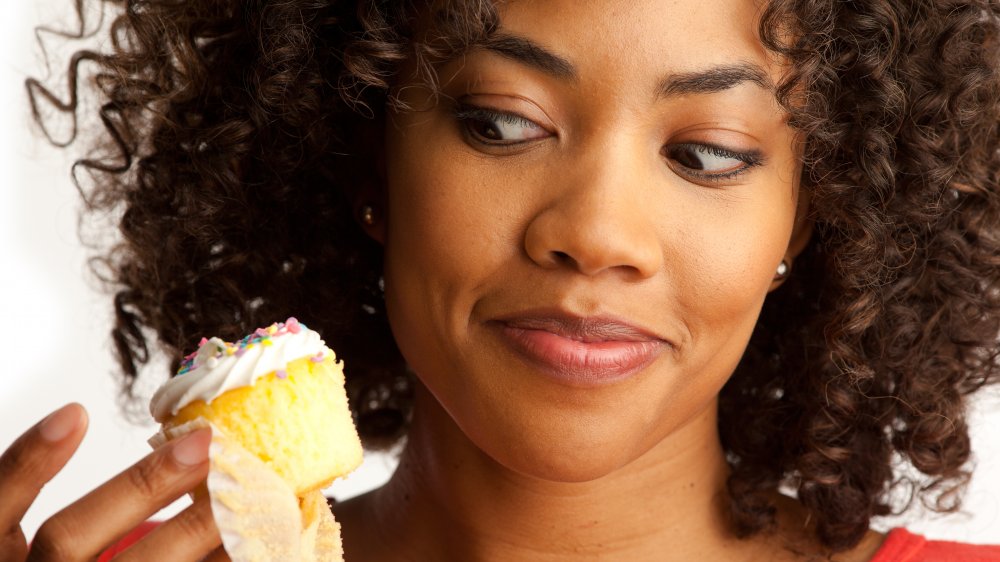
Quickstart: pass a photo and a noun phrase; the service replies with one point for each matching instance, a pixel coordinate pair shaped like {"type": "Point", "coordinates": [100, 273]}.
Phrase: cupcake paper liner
{"type": "Point", "coordinates": [258, 515]}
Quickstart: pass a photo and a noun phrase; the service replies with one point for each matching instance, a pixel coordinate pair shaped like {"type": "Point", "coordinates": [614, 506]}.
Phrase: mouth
{"type": "Point", "coordinates": [580, 351]}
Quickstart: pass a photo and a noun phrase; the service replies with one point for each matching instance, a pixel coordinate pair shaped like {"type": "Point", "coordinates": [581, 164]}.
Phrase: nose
{"type": "Point", "coordinates": [594, 221]}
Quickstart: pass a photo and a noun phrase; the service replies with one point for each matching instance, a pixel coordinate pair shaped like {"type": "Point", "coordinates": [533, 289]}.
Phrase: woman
{"type": "Point", "coordinates": [617, 270]}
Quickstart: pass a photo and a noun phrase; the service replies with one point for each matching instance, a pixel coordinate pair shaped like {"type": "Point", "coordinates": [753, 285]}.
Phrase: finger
{"type": "Point", "coordinates": [90, 525]}
{"type": "Point", "coordinates": [13, 546]}
{"type": "Point", "coordinates": [189, 535]}
{"type": "Point", "coordinates": [217, 555]}
{"type": "Point", "coordinates": [34, 458]}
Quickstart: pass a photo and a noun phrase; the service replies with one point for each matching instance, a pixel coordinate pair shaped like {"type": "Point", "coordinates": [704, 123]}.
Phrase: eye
{"type": "Point", "coordinates": [490, 126]}
{"type": "Point", "coordinates": [709, 162]}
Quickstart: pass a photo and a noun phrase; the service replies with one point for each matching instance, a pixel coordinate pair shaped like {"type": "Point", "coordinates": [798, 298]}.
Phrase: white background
{"type": "Point", "coordinates": [56, 347]}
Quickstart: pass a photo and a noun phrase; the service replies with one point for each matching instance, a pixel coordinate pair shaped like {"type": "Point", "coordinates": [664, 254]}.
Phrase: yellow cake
{"type": "Point", "coordinates": [278, 392]}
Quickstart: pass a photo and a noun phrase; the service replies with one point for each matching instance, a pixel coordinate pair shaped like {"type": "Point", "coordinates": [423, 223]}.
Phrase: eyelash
{"type": "Point", "coordinates": [468, 114]}
{"type": "Point", "coordinates": [751, 159]}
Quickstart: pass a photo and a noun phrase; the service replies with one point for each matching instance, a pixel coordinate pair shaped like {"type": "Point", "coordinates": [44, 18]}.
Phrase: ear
{"type": "Point", "coordinates": [370, 209]}
{"type": "Point", "coordinates": [801, 234]}
{"type": "Point", "coordinates": [370, 197]}
{"type": "Point", "coordinates": [803, 229]}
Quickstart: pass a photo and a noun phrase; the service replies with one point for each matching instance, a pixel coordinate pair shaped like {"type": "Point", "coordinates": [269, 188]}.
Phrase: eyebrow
{"type": "Point", "coordinates": [527, 52]}
{"type": "Point", "coordinates": [715, 79]}
{"type": "Point", "coordinates": [709, 81]}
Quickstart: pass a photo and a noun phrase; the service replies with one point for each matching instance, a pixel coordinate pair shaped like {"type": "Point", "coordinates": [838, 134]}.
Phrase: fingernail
{"type": "Point", "coordinates": [192, 449]}
{"type": "Point", "coordinates": [59, 424]}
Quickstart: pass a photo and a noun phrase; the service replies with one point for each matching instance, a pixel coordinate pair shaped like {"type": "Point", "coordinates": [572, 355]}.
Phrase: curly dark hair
{"type": "Point", "coordinates": [236, 130]}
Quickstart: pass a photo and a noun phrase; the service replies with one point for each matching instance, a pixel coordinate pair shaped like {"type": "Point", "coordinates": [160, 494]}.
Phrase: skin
{"type": "Point", "coordinates": [584, 211]}
{"type": "Point", "coordinates": [594, 212]}
{"type": "Point", "coordinates": [90, 525]}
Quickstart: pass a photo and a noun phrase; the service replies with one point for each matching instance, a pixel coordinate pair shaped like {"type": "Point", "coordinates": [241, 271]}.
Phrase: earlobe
{"type": "Point", "coordinates": [371, 217]}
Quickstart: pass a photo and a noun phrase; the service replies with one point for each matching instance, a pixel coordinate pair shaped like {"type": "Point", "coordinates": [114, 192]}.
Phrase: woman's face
{"type": "Point", "coordinates": [581, 232]}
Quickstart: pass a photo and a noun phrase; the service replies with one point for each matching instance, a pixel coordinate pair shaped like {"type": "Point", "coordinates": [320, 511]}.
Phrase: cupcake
{"type": "Point", "coordinates": [278, 392]}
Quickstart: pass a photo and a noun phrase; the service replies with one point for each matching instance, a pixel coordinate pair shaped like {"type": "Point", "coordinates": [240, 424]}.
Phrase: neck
{"type": "Point", "coordinates": [449, 501]}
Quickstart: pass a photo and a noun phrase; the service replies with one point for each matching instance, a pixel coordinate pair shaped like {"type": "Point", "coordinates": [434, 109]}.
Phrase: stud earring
{"type": "Point", "coordinates": [368, 215]}
{"type": "Point", "coordinates": [783, 269]}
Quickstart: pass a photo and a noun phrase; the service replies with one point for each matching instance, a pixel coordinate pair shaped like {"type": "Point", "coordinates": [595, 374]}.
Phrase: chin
{"type": "Point", "coordinates": [557, 450]}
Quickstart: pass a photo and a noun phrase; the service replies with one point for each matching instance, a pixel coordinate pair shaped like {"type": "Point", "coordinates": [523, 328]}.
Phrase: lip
{"type": "Point", "coordinates": [581, 351]}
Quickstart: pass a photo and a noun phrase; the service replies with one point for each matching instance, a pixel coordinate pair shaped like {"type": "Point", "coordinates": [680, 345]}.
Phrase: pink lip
{"type": "Point", "coordinates": [583, 352]}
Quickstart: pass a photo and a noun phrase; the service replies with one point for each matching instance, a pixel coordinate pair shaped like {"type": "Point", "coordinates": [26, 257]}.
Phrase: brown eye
{"type": "Point", "coordinates": [711, 162]}
{"type": "Point", "coordinates": [496, 127]}
{"type": "Point", "coordinates": [486, 129]}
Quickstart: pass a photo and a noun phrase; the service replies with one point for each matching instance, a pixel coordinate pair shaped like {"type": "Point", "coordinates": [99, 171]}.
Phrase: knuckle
{"type": "Point", "coordinates": [21, 461]}
{"type": "Point", "coordinates": [11, 458]}
{"type": "Point", "coordinates": [197, 521]}
{"type": "Point", "coordinates": [53, 541]}
{"type": "Point", "coordinates": [148, 476]}
{"type": "Point", "coordinates": [13, 544]}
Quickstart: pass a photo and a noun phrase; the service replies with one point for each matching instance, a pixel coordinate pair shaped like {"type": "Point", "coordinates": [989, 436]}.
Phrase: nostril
{"type": "Point", "coordinates": [561, 258]}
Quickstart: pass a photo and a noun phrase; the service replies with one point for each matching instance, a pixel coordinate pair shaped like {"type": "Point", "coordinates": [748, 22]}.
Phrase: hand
{"type": "Point", "coordinates": [90, 525]}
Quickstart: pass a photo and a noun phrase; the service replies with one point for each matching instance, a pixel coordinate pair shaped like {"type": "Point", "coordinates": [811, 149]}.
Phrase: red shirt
{"type": "Point", "coordinates": [903, 546]}
{"type": "Point", "coordinates": [900, 546]}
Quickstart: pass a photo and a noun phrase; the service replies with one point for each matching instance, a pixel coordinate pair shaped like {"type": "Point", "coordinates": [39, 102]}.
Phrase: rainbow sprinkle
{"type": "Point", "coordinates": [260, 336]}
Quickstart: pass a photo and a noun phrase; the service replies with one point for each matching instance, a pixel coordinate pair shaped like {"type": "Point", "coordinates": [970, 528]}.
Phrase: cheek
{"type": "Point", "coordinates": [445, 238]}
{"type": "Point", "coordinates": [722, 267]}
{"type": "Point", "coordinates": [432, 227]}
{"type": "Point", "coordinates": [733, 260]}
{"type": "Point", "coordinates": [452, 215]}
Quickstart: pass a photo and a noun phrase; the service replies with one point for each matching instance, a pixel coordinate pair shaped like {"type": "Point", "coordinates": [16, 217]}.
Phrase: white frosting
{"type": "Point", "coordinates": [215, 370]}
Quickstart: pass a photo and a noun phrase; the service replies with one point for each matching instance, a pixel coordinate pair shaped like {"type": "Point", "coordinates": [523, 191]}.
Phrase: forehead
{"type": "Point", "coordinates": [621, 37]}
